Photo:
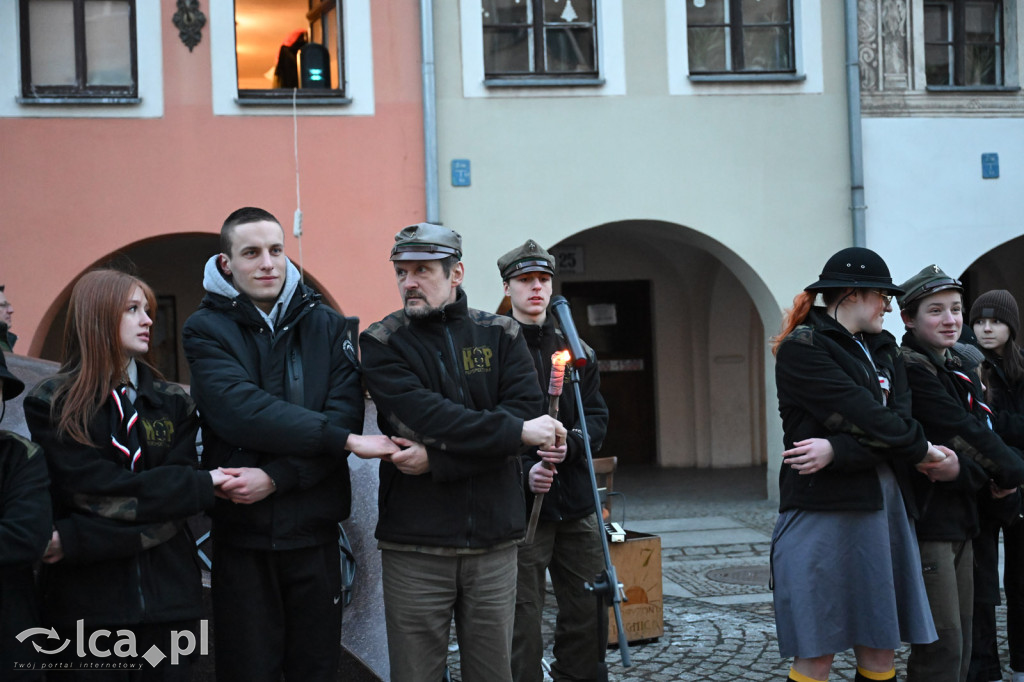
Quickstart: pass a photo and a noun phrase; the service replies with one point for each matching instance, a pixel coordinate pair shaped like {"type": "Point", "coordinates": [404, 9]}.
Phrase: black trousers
{"type": "Point", "coordinates": [985, 664]}
{"type": "Point", "coordinates": [276, 612]}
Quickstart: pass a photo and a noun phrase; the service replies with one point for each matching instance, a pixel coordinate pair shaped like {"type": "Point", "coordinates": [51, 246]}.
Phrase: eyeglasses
{"type": "Point", "coordinates": [5, 305]}
{"type": "Point", "coordinates": [885, 297]}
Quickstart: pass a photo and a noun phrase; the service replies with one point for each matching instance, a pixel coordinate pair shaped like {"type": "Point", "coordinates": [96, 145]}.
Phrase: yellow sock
{"type": "Point", "coordinates": [799, 677]}
{"type": "Point", "coordinates": [871, 675]}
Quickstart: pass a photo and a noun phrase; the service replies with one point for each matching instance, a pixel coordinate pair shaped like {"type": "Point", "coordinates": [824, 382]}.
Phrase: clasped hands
{"type": "Point", "coordinates": [814, 454]}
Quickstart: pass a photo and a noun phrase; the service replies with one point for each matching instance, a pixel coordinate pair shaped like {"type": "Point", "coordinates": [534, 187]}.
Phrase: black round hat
{"type": "Point", "coordinates": [855, 267]}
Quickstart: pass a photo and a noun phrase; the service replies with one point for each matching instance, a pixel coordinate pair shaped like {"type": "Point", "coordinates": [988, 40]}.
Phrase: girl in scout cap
{"type": "Point", "coordinates": [120, 448]}
{"type": "Point", "coordinates": [948, 402]}
{"type": "Point", "coordinates": [845, 564]}
{"type": "Point", "coordinates": [995, 319]}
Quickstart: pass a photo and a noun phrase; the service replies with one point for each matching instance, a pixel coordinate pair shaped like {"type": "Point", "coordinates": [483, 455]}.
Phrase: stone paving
{"type": "Point", "coordinates": [719, 621]}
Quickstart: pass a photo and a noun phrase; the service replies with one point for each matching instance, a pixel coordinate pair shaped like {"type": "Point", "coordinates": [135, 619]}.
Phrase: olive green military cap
{"type": "Point", "coordinates": [930, 280]}
{"type": "Point", "coordinates": [530, 257]}
{"type": "Point", "coordinates": [426, 241]}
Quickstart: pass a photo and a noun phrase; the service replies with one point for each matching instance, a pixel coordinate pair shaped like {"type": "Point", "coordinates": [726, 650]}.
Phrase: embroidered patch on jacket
{"type": "Point", "coordinates": [477, 359]}
{"type": "Point", "coordinates": [159, 433]}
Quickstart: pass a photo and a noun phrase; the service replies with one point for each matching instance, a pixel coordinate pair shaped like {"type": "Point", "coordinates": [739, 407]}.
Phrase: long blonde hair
{"type": "Point", "coordinates": [93, 360]}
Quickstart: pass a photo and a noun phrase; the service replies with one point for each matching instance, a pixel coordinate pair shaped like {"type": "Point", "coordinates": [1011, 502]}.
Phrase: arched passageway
{"type": "Point", "coordinates": [679, 323]}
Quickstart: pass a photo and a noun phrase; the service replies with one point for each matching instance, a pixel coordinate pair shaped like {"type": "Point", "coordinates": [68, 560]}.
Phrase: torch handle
{"type": "Point", "coordinates": [538, 499]}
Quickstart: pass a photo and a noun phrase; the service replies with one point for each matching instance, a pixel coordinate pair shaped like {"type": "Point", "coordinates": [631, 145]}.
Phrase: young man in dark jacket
{"type": "Point", "coordinates": [26, 524]}
{"type": "Point", "coordinates": [566, 542]}
{"type": "Point", "coordinates": [278, 390]}
{"type": "Point", "coordinates": [457, 389]}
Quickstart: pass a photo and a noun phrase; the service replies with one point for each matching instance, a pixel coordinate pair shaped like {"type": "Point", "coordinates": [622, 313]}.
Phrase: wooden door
{"type": "Point", "coordinates": [614, 318]}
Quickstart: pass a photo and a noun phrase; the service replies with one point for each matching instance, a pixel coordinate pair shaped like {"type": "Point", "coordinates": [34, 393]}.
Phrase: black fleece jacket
{"type": "Point", "coordinates": [571, 496]}
{"type": "Point", "coordinates": [461, 382]}
{"type": "Point", "coordinates": [828, 388]}
{"type": "Point", "coordinates": [283, 400]}
{"type": "Point", "coordinates": [947, 401]}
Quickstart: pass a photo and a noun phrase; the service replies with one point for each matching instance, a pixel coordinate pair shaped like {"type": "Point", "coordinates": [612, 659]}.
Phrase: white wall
{"type": "Point", "coordinates": [927, 202]}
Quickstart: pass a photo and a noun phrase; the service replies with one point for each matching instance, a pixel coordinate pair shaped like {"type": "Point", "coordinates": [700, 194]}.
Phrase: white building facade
{"type": "Point", "coordinates": [686, 160]}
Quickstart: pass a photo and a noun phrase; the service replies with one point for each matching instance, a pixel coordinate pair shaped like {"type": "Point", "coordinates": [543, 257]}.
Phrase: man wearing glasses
{"type": "Point", "coordinates": [7, 338]}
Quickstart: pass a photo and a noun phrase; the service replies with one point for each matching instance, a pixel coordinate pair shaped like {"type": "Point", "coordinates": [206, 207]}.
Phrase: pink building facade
{"type": "Point", "coordinates": [144, 179]}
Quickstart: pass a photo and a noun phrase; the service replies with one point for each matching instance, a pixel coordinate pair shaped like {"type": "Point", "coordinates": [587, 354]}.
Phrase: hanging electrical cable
{"type": "Point", "coordinates": [297, 222]}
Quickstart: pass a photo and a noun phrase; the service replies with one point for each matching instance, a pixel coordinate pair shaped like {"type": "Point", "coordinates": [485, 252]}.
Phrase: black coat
{"type": "Point", "coordinates": [947, 401]}
{"type": "Point", "coordinates": [284, 401]}
{"type": "Point", "coordinates": [1006, 399]}
{"type": "Point", "coordinates": [26, 523]}
{"type": "Point", "coordinates": [828, 388]}
{"type": "Point", "coordinates": [571, 495]}
{"type": "Point", "coordinates": [128, 554]}
{"type": "Point", "coordinates": [953, 407]}
{"type": "Point", "coordinates": [462, 383]}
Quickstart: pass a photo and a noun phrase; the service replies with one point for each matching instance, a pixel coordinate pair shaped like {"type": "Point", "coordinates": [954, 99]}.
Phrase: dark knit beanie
{"type": "Point", "coordinates": [997, 304]}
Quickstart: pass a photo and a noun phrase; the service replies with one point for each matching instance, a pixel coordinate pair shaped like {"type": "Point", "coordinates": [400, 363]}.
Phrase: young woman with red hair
{"type": "Point", "coordinates": [845, 564]}
{"type": "Point", "coordinates": [120, 448]}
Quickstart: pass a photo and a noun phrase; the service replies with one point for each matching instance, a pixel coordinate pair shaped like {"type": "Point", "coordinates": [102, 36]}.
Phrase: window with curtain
{"type": "Point", "coordinates": [740, 36]}
{"type": "Point", "coordinates": [963, 42]}
{"type": "Point", "coordinates": [78, 49]}
{"type": "Point", "coordinates": [540, 38]}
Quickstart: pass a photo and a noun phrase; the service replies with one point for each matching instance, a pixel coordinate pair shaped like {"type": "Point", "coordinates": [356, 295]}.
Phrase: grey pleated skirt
{"type": "Point", "coordinates": [849, 578]}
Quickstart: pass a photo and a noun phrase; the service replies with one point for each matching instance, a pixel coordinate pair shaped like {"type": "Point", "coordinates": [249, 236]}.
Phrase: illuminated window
{"type": "Point", "coordinates": [284, 45]}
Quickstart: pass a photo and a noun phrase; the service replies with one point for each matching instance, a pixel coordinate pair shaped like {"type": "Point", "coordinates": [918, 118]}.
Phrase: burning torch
{"type": "Point", "coordinates": [558, 362]}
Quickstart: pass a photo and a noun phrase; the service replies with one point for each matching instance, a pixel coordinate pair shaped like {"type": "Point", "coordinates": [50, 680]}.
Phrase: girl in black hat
{"type": "Point", "coordinates": [948, 402]}
{"type": "Point", "coordinates": [845, 564]}
{"type": "Point", "coordinates": [995, 319]}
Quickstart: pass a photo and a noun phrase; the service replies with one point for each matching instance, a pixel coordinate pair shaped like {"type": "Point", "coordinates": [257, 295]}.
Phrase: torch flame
{"type": "Point", "coordinates": [559, 360]}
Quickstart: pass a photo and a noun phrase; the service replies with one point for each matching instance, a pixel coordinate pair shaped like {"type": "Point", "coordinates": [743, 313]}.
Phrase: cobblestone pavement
{"type": "Point", "coordinates": [715, 529]}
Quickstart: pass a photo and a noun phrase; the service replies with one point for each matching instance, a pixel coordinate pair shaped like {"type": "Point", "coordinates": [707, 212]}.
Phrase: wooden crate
{"type": "Point", "coordinates": [637, 564]}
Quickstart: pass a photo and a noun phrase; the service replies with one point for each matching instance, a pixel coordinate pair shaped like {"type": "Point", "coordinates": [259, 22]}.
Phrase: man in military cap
{"type": "Point", "coordinates": [456, 389]}
{"type": "Point", "coordinates": [566, 542]}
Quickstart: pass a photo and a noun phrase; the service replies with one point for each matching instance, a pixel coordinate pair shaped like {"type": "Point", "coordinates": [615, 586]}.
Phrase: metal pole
{"type": "Point", "coordinates": [857, 206]}
{"type": "Point", "coordinates": [429, 111]}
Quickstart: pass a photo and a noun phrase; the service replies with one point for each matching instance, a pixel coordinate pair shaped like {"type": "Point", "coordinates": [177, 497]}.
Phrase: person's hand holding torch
{"type": "Point", "coordinates": [542, 474]}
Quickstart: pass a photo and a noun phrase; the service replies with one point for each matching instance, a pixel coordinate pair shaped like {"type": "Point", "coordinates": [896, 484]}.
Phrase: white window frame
{"type": "Point", "coordinates": [150, 102]}
{"type": "Point", "coordinates": [358, 60]}
{"type": "Point", "coordinates": [611, 78]}
{"type": "Point", "coordinates": [808, 59]}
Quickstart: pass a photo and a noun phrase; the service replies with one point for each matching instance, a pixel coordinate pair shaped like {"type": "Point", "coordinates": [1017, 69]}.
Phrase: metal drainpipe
{"type": "Point", "coordinates": [857, 206]}
{"type": "Point", "coordinates": [429, 111]}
